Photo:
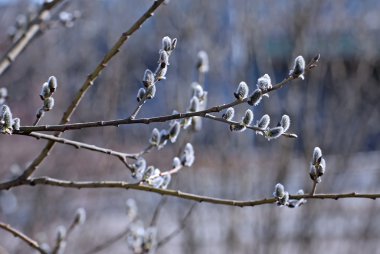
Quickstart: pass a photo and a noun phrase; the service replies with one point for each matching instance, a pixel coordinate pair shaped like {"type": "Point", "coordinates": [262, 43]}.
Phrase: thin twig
{"type": "Point", "coordinates": [33, 29]}
{"type": "Point", "coordinates": [109, 242]}
{"type": "Point", "coordinates": [32, 243]}
{"type": "Point", "coordinates": [171, 171]}
{"type": "Point", "coordinates": [314, 188]}
{"type": "Point", "coordinates": [82, 91]}
{"type": "Point", "coordinates": [176, 193]}
{"type": "Point", "coordinates": [38, 119]}
{"type": "Point", "coordinates": [182, 225]}
{"type": "Point", "coordinates": [80, 145]}
{"type": "Point", "coordinates": [156, 212]}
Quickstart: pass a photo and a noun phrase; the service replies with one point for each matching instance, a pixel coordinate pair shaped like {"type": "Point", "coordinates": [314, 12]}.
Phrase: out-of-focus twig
{"type": "Point", "coordinates": [178, 230]}
{"type": "Point", "coordinates": [156, 212]}
{"type": "Point", "coordinates": [32, 243]}
{"type": "Point", "coordinates": [109, 242]}
{"type": "Point", "coordinates": [33, 29]}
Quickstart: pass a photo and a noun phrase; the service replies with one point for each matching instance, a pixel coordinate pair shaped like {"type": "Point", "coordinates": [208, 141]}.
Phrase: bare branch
{"type": "Point", "coordinates": [80, 145]}
{"type": "Point", "coordinates": [130, 120]}
{"type": "Point", "coordinates": [32, 243]}
{"type": "Point", "coordinates": [82, 91]}
{"type": "Point", "coordinates": [176, 193]}
{"type": "Point", "coordinates": [33, 29]}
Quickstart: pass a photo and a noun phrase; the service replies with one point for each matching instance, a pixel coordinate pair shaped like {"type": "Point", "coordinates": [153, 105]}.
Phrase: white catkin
{"type": "Point", "coordinates": [264, 83]}
{"type": "Point", "coordinates": [52, 83]}
{"type": "Point", "coordinates": [298, 68]}
{"type": "Point", "coordinates": [155, 137]}
{"type": "Point", "coordinates": [263, 123]}
{"type": "Point", "coordinates": [148, 79]}
{"type": "Point", "coordinates": [285, 122]}
{"type": "Point", "coordinates": [317, 153]}
{"type": "Point", "coordinates": [242, 91]}
{"type": "Point", "coordinates": [229, 114]}
{"type": "Point", "coordinates": [279, 191]}
{"type": "Point", "coordinates": [248, 117]}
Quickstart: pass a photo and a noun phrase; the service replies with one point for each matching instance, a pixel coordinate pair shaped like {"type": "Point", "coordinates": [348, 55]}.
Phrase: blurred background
{"type": "Point", "coordinates": [336, 107]}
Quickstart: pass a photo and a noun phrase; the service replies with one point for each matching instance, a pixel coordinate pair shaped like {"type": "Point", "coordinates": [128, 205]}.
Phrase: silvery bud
{"type": "Point", "coordinates": [52, 83]}
{"type": "Point", "coordinates": [164, 136]}
{"type": "Point", "coordinates": [140, 94]}
{"type": "Point", "coordinates": [16, 124]}
{"type": "Point", "coordinates": [150, 92]}
{"type": "Point", "coordinates": [164, 59]}
{"type": "Point", "coordinates": [263, 123]}
{"type": "Point", "coordinates": [274, 132]}
{"type": "Point", "coordinates": [197, 90]}
{"type": "Point", "coordinates": [148, 79]}
{"type": "Point", "coordinates": [174, 44]}
{"type": "Point", "coordinates": [298, 68]}
{"type": "Point", "coordinates": [156, 181]}
{"type": "Point", "coordinates": [161, 72]}
{"type": "Point", "coordinates": [237, 127]}
{"type": "Point", "coordinates": [203, 63]}
{"type": "Point", "coordinates": [45, 91]}
{"type": "Point", "coordinates": [264, 83]}
{"type": "Point", "coordinates": [176, 162]}
{"type": "Point", "coordinates": [155, 137]}
{"type": "Point", "coordinates": [48, 104]}
{"type": "Point", "coordinates": [248, 117]}
{"type": "Point", "coordinates": [174, 131]}
{"type": "Point", "coordinates": [6, 119]}
{"type": "Point", "coordinates": [3, 95]}
{"type": "Point", "coordinates": [166, 43]}
{"type": "Point", "coordinates": [80, 216]}
{"type": "Point", "coordinates": [255, 98]}
{"type": "Point", "coordinates": [139, 168]}
{"type": "Point", "coordinates": [149, 172]}
{"type": "Point", "coordinates": [279, 191]}
{"type": "Point", "coordinates": [194, 104]}
{"type": "Point", "coordinates": [317, 153]}
{"type": "Point", "coordinates": [285, 122]}
{"type": "Point", "coordinates": [229, 114]}
{"type": "Point", "coordinates": [187, 156]}
{"type": "Point", "coordinates": [242, 91]}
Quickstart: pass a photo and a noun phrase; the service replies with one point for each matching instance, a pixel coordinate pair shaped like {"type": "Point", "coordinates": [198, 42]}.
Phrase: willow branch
{"type": "Point", "coordinates": [179, 194]}
{"type": "Point", "coordinates": [33, 29]}
{"type": "Point", "coordinates": [80, 145]}
{"type": "Point", "coordinates": [130, 120]}
{"type": "Point", "coordinates": [32, 243]}
{"type": "Point", "coordinates": [82, 91]}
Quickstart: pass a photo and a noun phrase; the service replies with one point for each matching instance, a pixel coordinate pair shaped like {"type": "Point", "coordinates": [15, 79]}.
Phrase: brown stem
{"type": "Point", "coordinates": [32, 31]}
{"type": "Point", "coordinates": [32, 243]}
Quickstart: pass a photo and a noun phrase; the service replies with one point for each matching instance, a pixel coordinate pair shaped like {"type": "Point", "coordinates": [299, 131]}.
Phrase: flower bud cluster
{"type": "Point", "coordinates": [46, 95]}
{"type": "Point", "coordinates": [282, 197]}
{"type": "Point", "coordinates": [317, 165]}
{"type": "Point", "coordinates": [149, 79]}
